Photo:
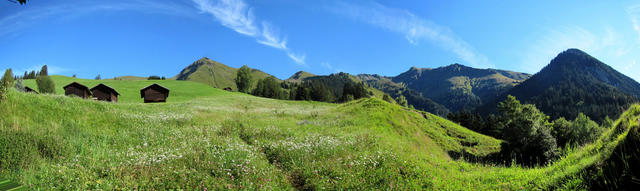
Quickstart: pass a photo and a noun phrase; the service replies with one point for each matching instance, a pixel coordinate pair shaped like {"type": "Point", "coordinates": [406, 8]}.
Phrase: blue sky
{"type": "Point", "coordinates": [144, 37]}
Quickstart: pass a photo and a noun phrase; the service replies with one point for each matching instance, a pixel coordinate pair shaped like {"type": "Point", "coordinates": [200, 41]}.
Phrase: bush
{"type": "Point", "coordinates": [387, 98]}
{"type": "Point", "coordinates": [581, 131]}
{"type": "Point", "coordinates": [45, 85]}
{"type": "Point", "coordinates": [154, 77]}
{"type": "Point", "coordinates": [19, 86]}
{"type": "Point", "coordinates": [402, 101]}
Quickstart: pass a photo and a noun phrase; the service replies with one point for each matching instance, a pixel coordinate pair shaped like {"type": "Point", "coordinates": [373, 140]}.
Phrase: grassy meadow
{"type": "Point", "coordinates": [129, 90]}
{"type": "Point", "coordinates": [205, 138]}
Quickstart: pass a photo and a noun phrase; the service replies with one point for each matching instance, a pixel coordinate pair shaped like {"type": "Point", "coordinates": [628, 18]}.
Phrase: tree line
{"type": "Point", "coordinates": [530, 138]}
{"type": "Point", "coordinates": [44, 82]}
{"type": "Point", "coordinates": [309, 90]}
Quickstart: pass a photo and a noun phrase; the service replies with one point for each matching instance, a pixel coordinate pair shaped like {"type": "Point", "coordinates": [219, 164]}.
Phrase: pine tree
{"type": "Point", "coordinates": [402, 101]}
{"type": "Point", "coordinates": [44, 71]}
{"type": "Point", "coordinates": [6, 83]}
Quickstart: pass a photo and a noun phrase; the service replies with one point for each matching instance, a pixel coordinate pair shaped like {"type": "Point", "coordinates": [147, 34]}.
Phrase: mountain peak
{"type": "Point", "coordinates": [300, 75]}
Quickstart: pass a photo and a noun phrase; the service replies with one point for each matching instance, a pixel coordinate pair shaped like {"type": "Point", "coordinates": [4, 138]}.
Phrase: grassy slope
{"type": "Point", "coordinates": [231, 140]}
{"type": "Point", "coordinates": [130, 90]}
{"type": "Point", "coordinates": [216, 74]}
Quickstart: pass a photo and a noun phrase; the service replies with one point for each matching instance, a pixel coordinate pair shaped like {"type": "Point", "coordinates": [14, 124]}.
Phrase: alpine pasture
{"type": "Point", "coordinates": [205, 138]}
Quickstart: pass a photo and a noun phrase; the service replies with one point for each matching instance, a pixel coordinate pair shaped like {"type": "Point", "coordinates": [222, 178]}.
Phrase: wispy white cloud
{"type": "Point", "coordinates": [414, 28]}
{"type": "Point", "coordinates": [327, 65]}
{"type": "Point", "coordinates": [11, 24]}
{"type": "Point", "coordinates": [270, 37]}
{"type": "Point", "coordinates": [298, 58]}
{"type": "Point", "coordinates": [238, 16]}
{"type": "Point", "coordinates": [234, 14]}
{"type": "Point", "coordinates": [330, 67]}
{"type": "Point", "coordinates": [634, 14]}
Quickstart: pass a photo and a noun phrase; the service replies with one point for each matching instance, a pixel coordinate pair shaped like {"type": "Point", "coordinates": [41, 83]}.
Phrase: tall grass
{"type": "Point", "coordinates": [224, 140]}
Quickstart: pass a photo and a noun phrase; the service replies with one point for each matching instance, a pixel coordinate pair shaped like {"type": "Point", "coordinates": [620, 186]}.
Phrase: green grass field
{"type": "Point", "coordinates": [129, 90]}
{"type": "Point", "coordinates": [209, 138]}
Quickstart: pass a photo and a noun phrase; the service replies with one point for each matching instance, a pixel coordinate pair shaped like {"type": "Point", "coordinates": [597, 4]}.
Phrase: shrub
{"type": "Point", "coordinates": [45, 85]}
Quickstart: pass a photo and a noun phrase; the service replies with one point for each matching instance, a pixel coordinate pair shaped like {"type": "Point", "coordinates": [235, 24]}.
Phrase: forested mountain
{"type": "Point", "coordinates": [459, 87]}
{"type": "Point", "coordinates": [576, 82]}
{"type": "Point", "coordinates": [335, 83]}
{"type": "Point", "coordinates": [395, 90]}
{"type": "Point", "coordinates": [215, 74]}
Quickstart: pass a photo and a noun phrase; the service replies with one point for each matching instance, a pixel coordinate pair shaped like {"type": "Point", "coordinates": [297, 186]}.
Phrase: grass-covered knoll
{"type": "Point", "coordinates": [234, 141]}
{"type": "Point", "coordinates": [215, 74]}
{"type": "Point", "coordinates": [130, 89]}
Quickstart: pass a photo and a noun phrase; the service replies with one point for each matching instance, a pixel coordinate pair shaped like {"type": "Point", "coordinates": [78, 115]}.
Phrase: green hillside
{"type": "Point", "coordinates": [227, 140]}
{"type": "Point", "coordinates": [215, 74]}
{"type": "Point", "coordinates": [129, 90]}
{"type": "Point", "coordinates": [300, 76]}
{"type": "Point", "coordinates": [395, 90]}
{"type": "Point", "coordinates": [459, 87]}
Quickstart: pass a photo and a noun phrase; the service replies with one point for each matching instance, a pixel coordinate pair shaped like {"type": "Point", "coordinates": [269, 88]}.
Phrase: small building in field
{"type": "Point", "coordinates": [104, 93]}
{"type": "Point", "coordinates": [29, 90]}
{"type": "Point", "coordinates": [228, 89]}
{"type": "Point", "coordinates": [77, 89]}
{"type": "Point", "coordinates": [154, 93]}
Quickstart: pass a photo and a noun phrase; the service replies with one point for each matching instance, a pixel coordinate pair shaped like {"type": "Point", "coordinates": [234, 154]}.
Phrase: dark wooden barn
{"type": "Point", "coordinates": [154, 93]}
{"type": "Point", "coordinates": [29, 90]}
{"type": "Point", "coordinates": [77, 89]}
{"type": "Point", "coordinates": [104, 93]}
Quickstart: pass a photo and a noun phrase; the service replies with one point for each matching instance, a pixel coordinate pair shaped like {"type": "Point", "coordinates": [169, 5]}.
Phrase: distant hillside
{"type": "Point", "coordinates": [575, 82]}
{"type": "Point", "coordinates": [215, 74]}
{"type": "Point", "coordinates": [396, 90]}
{"type": "Point", "coordinates": [299, 76]}
{"type": "Point", "coordinates": [459, 87]}
{"type": "Point", "coordinates": [130, 78]}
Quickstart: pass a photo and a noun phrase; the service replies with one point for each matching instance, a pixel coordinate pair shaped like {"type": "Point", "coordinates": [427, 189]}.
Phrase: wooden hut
{"type": "Point", "coordinates": [29, 90]}
{"type": "Point", "coordinates": [154, 93]}
{"type": "Point", "coordinates": [77, 89]}
{"type": "Point", "coordinates": [104, 93]}
{"type": "Point", "coordinates": [228, 89]}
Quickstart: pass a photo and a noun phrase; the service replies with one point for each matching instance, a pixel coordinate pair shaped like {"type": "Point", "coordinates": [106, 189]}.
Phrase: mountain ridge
{"type": "Point", "coordinates": [459, 87]}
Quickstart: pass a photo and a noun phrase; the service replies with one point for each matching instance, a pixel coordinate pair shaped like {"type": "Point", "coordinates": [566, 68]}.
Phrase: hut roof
{"type": "Point", "coordinates": [76, 84]}
{"type": "Point", "coordinates": [154, 86]}
{"type": "Point", "coordinates": [28, 89]}
{"type": "Point", "coordinates": [105, 86]}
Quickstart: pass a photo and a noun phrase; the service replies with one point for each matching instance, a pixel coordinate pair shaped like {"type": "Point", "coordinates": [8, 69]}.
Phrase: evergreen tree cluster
{"type": "Point", "coordinates": [270, 88]}
{"type": "Point", "coordinates": [30, 75]}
